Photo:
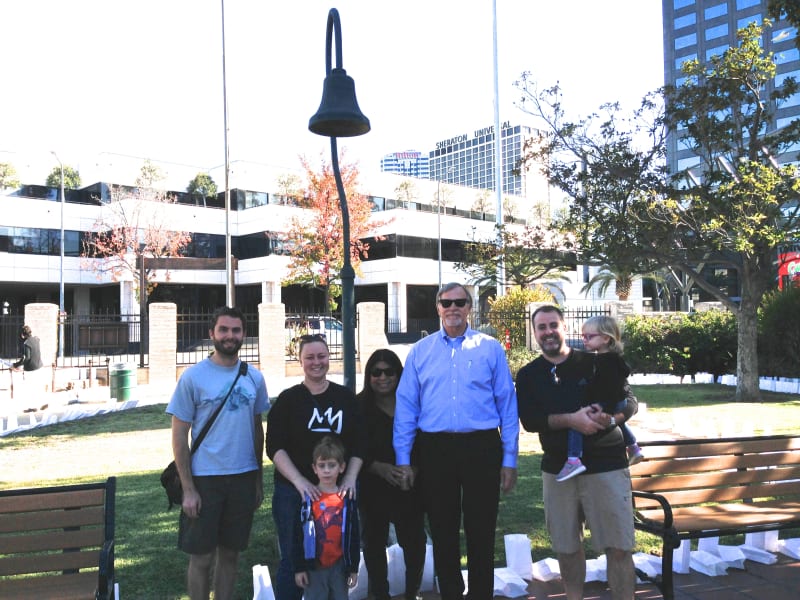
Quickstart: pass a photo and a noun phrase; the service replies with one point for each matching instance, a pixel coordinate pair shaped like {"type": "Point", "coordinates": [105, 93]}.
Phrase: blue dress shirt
{"type": "Point", "coordinates": [456, 385]}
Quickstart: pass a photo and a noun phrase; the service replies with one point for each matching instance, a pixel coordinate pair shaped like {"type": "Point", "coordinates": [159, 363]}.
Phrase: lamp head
{"type": "Point", "coordinates": [338, 114]}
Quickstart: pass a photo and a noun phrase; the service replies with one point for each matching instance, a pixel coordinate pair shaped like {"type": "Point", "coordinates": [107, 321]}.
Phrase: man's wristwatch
{"type": "Point", "coordinates": [612, 422]}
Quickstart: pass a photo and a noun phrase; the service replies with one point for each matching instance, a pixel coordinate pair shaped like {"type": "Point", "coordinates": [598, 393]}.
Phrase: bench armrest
{"type": "Point", "coordinates": [105, 576]}
{"type": "Point", "coordinates": [665, 507]}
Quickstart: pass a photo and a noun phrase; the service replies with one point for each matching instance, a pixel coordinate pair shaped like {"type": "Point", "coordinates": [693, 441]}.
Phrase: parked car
{"type": "Point", "coordinates": [328, 327]}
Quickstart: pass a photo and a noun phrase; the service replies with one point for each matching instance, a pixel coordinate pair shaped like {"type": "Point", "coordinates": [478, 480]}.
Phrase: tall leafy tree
{"type": "Point", "coordinates": [738, 204]}
{"type": "Point", "coordinates": [730, 210]}
{"type": "Point", "coordinates": [72, 179]}
{"type": "Point", "coordinates": [526, 255]}
{"type": "Point", "coordinates": [203, 185]}
{"type": "Point", "coordinates": [8, 176]}
{"type": "Point", "coordinates": [608, 164]}
{"type": "Point", "coordinates": [314, 240]}
{"type": "Point", "coordinates": [133, 225]}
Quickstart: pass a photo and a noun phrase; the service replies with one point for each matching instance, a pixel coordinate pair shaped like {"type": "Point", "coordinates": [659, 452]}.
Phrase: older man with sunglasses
{"type": "Point", "coordinates": [551, 391]}
{"type": "Point", "coordinates": [456, 401]}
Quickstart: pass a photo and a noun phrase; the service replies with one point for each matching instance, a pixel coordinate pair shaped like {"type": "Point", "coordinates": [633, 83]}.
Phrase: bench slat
{"type": "Point", "coordinates": [727, 494]}
{"type": "Point", "coordinates": [38, 521]}
{"type": "Point", "coordinates": [672, 466]}
{"type": "Point", "coordinates": [78, 586]}
{"type": "Point", "coordinates": [684, 448]}
{"type": "Point", "coordinates": [730, 516]}
{"type": "Point", "coordinates": [41, 563]}
{"type": "Point", "coordinates": [51, 501]}
{"type": "Point", "coordinates": [716, 479]}
{"type": "Point", "coordinates": [54, 540]}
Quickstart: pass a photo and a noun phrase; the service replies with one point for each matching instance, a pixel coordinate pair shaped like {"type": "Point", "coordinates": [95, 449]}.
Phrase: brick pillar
{"type": "Point", "coordinates": [42, 318]}
{"type": "Point", "coordinates": [163, 344]}
{"type": "Point", "coordinates": [272, 345]}
{"type": "Point", "coordinates": [371, 333]}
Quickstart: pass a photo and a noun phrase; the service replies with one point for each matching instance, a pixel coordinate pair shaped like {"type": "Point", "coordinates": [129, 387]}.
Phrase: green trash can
{"type": "Point", "coordinates": [122, 381]}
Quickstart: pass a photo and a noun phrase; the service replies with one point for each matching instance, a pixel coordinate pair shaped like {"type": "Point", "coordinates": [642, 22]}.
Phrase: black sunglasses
{"type": "Point", "coordinates": [388, 371]}
{"type": "Point", "coordinates": [459, 302]}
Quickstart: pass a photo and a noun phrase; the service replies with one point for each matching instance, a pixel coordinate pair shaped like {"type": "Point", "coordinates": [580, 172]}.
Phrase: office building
{"type": "Point", "coordinates": [703, 28]}
{"type": "Point", "coordinates": [469, 160]}
{"type": "Point", "coordinates": [409, 163]}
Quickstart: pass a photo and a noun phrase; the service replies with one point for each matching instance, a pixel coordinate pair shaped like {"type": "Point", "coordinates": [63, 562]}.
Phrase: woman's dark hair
{"type": "Point", "coordinates": [367, 395]}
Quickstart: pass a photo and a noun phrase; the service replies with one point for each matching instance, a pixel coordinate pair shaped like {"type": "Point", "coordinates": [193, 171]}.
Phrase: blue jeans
{"type": "Point", "coordinates": [575, 438]}
{"type": "Point", "coordinates": [286, 504]}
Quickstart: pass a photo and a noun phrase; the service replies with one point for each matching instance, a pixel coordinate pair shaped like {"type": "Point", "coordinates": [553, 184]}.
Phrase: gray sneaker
{"type": "Point", "coordinates": [570, 470]}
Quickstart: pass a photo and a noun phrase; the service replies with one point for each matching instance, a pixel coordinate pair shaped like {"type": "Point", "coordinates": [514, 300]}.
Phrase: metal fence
{"type": "Point", "coordinates": [99, 339]}
{"type": "Point", "coordinates": [507, 327]}
{"type": "Point", "coordinates": [328, 325]}
{"type": "Point", "coordinates": [194, 344]}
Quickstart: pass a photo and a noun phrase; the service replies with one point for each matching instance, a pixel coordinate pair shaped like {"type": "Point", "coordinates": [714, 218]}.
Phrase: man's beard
{"type": "Point", "coordinates": [548, 349]}
{"type": "Point", "coordinates": [219, 347]}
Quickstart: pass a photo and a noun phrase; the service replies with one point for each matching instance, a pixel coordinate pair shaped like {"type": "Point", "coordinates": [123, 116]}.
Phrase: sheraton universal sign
{"type": "Point", "coordinates": [463, 138]}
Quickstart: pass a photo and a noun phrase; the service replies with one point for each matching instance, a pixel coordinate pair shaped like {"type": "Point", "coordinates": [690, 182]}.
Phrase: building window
{"type": "Point", "coordinates": [740, 4]}
{"type": "Point", "coordinates": [685, 41]}
{"type": "Point", "coordinates": [718, 50]}
{"type": "Point", "coordinates": [717, 31]}
{"type": "Point", "coordinates": [682, 59]}
{"type": "Point", "coordinates": [745, 21]}
{"type": "Point", "coordinates": [685, 21]}
{"type": "Point", "coordinates": [681, 3]}
{"type": "Point", "coordinates": [713, 12]}
{"type": "Point", "coordinates": [787, 56]}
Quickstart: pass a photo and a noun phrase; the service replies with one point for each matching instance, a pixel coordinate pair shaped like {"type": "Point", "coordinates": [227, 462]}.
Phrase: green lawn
{"type": "Point", "coordinates": [134, 445]}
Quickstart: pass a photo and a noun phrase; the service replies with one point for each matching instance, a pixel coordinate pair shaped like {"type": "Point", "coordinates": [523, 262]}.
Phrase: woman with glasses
{"type": "Point", "coordinates": [386, 494]}
{"type": "Point", "coordinates": [301, 416]}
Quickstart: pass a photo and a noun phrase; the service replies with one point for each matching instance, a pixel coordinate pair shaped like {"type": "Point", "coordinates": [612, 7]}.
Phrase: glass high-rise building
{"type": "Point", "coordinates": [409, 163]}
{"type": "Point", "coordinates": [469, 160]}
{"type": "Point", "coordinates": [702, 28]}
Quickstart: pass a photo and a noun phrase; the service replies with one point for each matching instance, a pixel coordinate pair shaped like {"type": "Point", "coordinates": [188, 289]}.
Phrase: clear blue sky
{"type": "Point", "coordinates": [96, 80]}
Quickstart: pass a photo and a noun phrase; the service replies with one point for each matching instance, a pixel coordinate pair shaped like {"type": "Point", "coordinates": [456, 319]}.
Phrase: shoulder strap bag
{"type": "Point", "coordinates": [170, 479]}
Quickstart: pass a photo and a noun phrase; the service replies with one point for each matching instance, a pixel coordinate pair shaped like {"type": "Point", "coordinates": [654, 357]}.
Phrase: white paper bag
{"type": "Point", "coordinates": [707, 564]}
{"type": "Point", "coordinates": [680, 557]}
{"type": "Point", "coordinates": [427, 573]}
{"type": "Point", "coordinates": [518, 555]}
{"type": "Point", "coordinates": [596, 569]}
{"type": "Point", "coordinates": [546, 569]}
{"type": "Point", "coordinates": [758, 555]}
{"type": "Point", "coordinates": [262, 584]}
{"type": "Point", "coordinates": [362, 585]}
{"type": "Point", "coordinates": [396, 570]}
{"type": "Point", "coordinates": [645, 563]}
{"type": "Point", "coordinates": [790, 547]}
{"type": "Point", "coordinates": [732, 556]}
{"type": "Point", "coordinates": [508, 584]}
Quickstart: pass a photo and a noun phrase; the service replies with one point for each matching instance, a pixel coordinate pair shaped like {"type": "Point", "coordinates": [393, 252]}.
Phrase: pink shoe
{"type": "Point", "coordinates": [635, 455]}
{"type": "Point", "coordinates": [570, 470]}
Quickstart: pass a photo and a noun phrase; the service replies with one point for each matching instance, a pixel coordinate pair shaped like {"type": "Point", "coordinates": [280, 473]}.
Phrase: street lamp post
{"type": "Point", "coordinates": [439, 227]}
{"type": "Point", "coordinates": [339, 116]}
{"type": "Point", "coordinates": [61, 268]}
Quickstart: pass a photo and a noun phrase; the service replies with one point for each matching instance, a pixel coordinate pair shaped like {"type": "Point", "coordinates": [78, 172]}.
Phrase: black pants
{"type": "Point", "coordinates": [380, 505]}
{"type": "Point", "coordinates": [460, 472]}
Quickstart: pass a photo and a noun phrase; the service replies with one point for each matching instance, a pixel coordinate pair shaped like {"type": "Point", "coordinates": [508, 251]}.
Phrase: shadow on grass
{"type": "Point", "coordinates": [148, 563]}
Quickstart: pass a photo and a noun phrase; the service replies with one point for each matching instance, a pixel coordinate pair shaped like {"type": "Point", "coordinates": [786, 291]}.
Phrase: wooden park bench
{"type": "Point", "coordinates": [58, 542]}
{"type": "Point", "coordinates": [700, 488]}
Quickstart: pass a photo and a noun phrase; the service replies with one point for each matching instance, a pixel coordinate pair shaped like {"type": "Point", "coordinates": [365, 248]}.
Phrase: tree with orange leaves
{"type": "Point", "coordinates": [315, 240]}
{"type": "Point", "coordinates": [133, 226]}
